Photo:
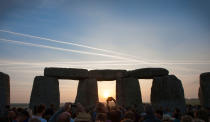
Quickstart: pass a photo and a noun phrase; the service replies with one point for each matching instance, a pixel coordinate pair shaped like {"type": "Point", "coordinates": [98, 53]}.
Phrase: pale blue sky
{"type": "Point", "coordinates": [134, 34]}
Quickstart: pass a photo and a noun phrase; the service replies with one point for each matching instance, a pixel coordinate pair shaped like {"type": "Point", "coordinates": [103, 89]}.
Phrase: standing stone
{"type": "Point", "coordinates": [204, 90]}
{"type": "Point", "coordinates": [87, 92]}
{"type": "Point", "coordinates": [4, 91]}
{"type": "Point", "coordinates": [167, 92]}
{"type": "Point", "coordinates": [45, 91]}
{"type": "Point", "coordinates": [128, 93]}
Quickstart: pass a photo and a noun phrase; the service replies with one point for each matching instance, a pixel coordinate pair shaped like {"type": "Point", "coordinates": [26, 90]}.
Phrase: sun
{"type": "Point", "coordinates": [106, 94]}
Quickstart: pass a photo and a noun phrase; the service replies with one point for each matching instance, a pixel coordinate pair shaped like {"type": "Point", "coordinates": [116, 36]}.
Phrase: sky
{"type": "Point", "coordinates": [103, 34]}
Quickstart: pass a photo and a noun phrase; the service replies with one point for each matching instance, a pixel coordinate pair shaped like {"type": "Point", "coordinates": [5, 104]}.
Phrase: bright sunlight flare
{"type": "Point", "coordinates": [106, 94]}
{"type": "Point", "coordinates": [106, 89]}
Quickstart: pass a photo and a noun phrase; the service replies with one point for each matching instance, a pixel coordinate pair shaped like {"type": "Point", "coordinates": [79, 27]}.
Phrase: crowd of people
{"type": "Point", "coordinates": [103, 113]}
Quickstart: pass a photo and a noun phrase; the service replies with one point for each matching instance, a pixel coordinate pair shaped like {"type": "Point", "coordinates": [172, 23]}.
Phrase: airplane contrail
{"type": "Point", "coordinates": [133, 59]}
{"type": "Point", "coordinates": [67, 50]}
{"type": "Point", "coordinates": [64, 42]}
{"type": "Point", "coordinates": [127, 62]}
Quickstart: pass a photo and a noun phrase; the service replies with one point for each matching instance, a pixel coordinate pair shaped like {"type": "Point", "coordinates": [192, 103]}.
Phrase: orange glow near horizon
{"type": "Point", "coordinates": [106, 89]}
{"type": "Point", "coordinates": [68, 90]}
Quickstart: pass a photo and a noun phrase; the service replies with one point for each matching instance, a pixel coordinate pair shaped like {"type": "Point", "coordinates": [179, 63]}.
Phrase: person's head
{"type": "Point", "coordinates": [22, 116]}
{"type": "Point", "coordinates": [80, 107]}
{"type": "Point", "coordinates": [186, 118]}
{"type": "Point", "coordinates": [40, 109]}
{"type": "Point", "coordinates": [130, 115]}
{"type": "Point", "coordinates": [34, 120]}
{"type": "Point", "coordinates": [100, 108]}
{"type": "Point", "coordinates": [176, 113]}
{"type": "Point", "coordinates": [19, 110]}
{"type": "Point", "coordinates": [64, 117]}
{"type": "Point", "coordinates": [29, 112]}
{"type": "Point", "coordinates": [149, 109]}
{"type": "Point", "coordinates": [114, 116]}
{"type": "Point", "coordinates": [101, 117]}
{"type": "Point", "coordinates": [11, 115]}
{"type": "Point", "coordinates": [7, 107]}
{"type": "Point", "coordinates": [203, 115]}
{"type": "Point", "coordinates": [159, 114]}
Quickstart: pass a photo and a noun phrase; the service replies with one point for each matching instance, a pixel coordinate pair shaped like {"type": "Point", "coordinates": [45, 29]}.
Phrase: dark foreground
{"type": "Point", "coordinates": [103, 113]}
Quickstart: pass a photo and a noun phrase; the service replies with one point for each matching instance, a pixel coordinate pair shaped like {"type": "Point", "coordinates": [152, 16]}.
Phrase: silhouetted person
{"type": "Point", "coordinates": [159, 114]}
{"type": "Point", "coordinates": [34, 120]}
{"type": "Point", "coordinates": [150, 117]}
{"type": "Point", "coordinates": [186, 118]}
{"type": "Point", "coordinates": [114, 116]}
{"type": "Point", "coordinates": [40, 110]}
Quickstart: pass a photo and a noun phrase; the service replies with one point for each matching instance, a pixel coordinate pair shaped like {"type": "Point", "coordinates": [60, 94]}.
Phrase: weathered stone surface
{"type": "Point", "coordinates": [204, 90]}
{"type": "Point", "coordinates": [45, 91]}
{"type": "Point", "coordinates": [167, 92]}
{"type": "Point", "coordinates": [66, 73]}
{"type": "Point", "coordinates": [107, 74]}
{"type": "Point", "coordinates": [87, 92]}
{"type": "Point", "coordinates": [128, 93]}
{"type": "Point", "coordinates": [4, 91]}
{"type": "Point", "coordinates": [148, 73]}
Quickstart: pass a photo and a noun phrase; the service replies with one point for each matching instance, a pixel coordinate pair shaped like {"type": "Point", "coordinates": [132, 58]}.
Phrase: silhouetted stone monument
{"type": "Point", "coordinates": [148, 73]}
{"type": "Point", "coordinates": [45, 91]}
{"type": "Point", "coordinates": [66, 73]}
{"type": "Point", "coordinates": [128, 93]}
{"type": "Point", "coordinates": [87, 92]}
{"type": "Point", "coordinates": [204, 90]}
{"type": "Point", "coordinates": [167, 92]}
{"type": "Point", "coordinates": [4, 91]}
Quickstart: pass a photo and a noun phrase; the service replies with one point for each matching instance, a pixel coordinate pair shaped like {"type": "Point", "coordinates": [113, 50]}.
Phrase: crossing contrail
{"type": "Point", "coordinates": [66, 50]}
{"type": "Point", "coordinates": [116, 56]}
{"type": "Point", "coordinates": [64, 42]}
{"type": "Point", "coordinates": [133, 58]}
{"type": "Point", "coordinates": [127, 61]}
